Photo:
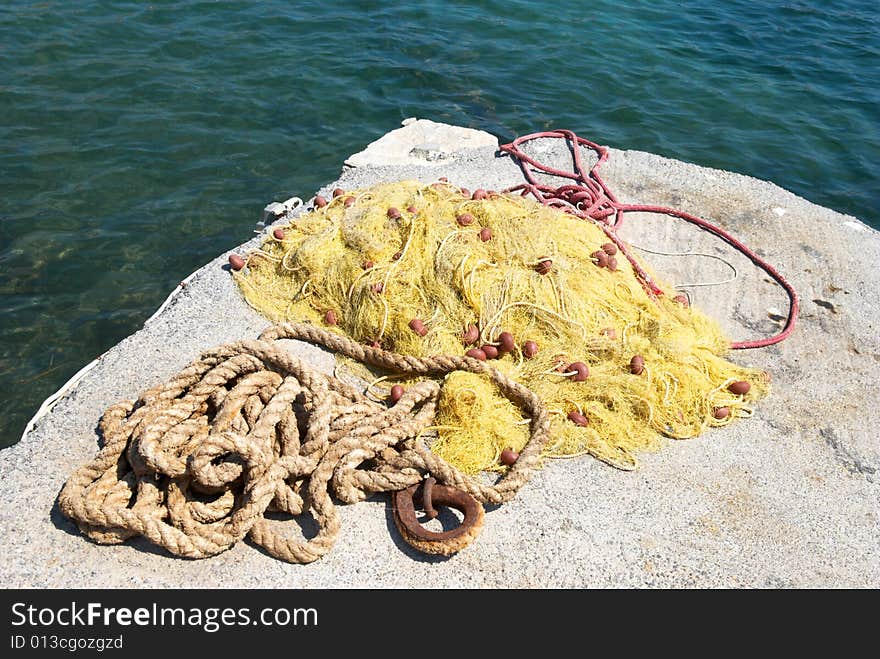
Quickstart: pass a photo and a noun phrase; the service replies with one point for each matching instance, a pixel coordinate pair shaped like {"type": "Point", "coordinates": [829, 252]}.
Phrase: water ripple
{"type": "Point", "coordinates": [138, 140]}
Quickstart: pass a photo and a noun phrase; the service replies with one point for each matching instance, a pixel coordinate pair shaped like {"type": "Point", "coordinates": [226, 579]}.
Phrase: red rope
{"type": "Point", "coordinates": [590, 199]}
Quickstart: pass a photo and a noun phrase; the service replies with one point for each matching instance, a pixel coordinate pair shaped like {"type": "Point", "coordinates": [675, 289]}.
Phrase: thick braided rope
{"type": "Point", "coordinates": [195, 464]}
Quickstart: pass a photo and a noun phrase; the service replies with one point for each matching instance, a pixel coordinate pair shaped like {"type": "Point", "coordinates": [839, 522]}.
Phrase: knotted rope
{"type": "Point", "coordinates": [195, 463]}
{"type": "Point", "coordinates": [591, 199]}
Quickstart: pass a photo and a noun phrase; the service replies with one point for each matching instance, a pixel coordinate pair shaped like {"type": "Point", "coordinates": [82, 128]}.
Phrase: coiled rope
{"type": "Point", "coordinates": [591, 199]}
{"type": "Point", "coordinates": [195, 464]}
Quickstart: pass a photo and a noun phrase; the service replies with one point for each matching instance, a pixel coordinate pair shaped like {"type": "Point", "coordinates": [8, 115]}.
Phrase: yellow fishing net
{"type": "Point", "coordinates": [412, 267]}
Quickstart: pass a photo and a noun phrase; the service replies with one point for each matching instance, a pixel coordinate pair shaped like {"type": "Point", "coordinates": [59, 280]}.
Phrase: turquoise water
{"type": "Point", "coordinates": [137, 141]}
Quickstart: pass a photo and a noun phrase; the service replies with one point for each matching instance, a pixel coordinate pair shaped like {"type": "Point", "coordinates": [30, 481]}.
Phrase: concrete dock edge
{"type": "Point", "coordinates": [787, 498]}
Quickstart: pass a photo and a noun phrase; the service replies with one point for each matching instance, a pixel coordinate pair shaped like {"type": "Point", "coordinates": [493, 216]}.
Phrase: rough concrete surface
{"type": "Point", "coordinates": [419, 142]}
{"type": "Point", "coordinates": [786, 498]}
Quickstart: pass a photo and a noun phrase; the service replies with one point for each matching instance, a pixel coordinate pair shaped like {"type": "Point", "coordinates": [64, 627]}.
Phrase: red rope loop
{"type": "Point", "coordinates": [590, 199]}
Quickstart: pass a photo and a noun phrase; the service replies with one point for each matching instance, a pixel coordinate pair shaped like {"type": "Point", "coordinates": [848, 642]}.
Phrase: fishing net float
{"type": "Point", "coordinates": [495, 330]}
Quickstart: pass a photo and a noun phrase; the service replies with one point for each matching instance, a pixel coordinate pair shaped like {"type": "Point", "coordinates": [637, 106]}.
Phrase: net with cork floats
{"type": "Point", "coordinates": [503, 329]}
{"type": "Point", "coordinates": [541, 295]}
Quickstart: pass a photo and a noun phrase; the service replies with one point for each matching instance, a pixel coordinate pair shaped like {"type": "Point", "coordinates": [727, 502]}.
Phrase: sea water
{"type": "Point", "coordinates": [139, 140]}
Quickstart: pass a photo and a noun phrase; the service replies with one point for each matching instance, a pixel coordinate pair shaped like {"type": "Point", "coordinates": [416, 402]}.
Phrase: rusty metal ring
{"type": "Point", "coordinates": [444, 543]}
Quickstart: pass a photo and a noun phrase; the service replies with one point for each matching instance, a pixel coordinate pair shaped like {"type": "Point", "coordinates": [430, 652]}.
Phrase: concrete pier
{"type": "Point", "coordinates": [787, 498]}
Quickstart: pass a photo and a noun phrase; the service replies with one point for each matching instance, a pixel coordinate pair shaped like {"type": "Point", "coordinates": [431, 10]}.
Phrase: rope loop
{"type": "Point", "coordinates": [590, 199]}
{"type": "Point", "coordinates": [195, 464]}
